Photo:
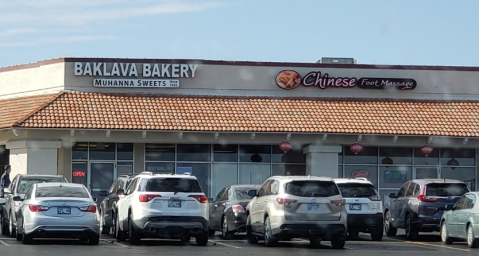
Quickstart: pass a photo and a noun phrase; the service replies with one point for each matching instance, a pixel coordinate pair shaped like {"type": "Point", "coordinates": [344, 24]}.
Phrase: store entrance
{"type": "Point", "coordinates": [101, 176]}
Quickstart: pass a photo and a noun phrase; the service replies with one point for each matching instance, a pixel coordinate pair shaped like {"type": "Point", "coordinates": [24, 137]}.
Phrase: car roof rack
{"type": "Point", "coordinates": [146, 173]}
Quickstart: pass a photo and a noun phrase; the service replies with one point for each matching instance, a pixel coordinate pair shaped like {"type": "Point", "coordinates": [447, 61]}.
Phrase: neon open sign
{"type": "Point", "coordinates": [78, 174]}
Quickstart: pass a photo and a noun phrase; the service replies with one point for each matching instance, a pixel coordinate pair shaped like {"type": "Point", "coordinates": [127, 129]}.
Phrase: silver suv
{"type": "Point", "coordinates": [286, 207]}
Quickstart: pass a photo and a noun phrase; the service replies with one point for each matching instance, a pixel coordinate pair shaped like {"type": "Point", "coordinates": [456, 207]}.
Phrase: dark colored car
{"type": "Point", "coordinates": [14, 195]}
{"type": "Point", "coordinates": [227, 210]}
{"type": "Point", "coordinates": [419, 205]}
{"type": "Point", "coordinates": [108, 208]}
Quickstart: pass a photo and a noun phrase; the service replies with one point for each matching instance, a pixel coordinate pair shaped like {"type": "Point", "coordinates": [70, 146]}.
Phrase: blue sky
{"type": "Point", "coordinates": [401, 32]}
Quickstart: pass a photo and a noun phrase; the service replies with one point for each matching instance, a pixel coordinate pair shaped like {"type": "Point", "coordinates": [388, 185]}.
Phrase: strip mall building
{"type": "Point", "coordinates": [94, 119]}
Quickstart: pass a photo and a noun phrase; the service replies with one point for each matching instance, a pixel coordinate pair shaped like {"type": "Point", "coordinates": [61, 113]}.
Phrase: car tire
{"type": "Point", "coordinates": [94, 239]}
{"type": "Point", "coordinates": [472, 241]}
{"type": "Point", "coordinates": [26, 238]}
{"type": "Point", "coordinates": [250, 237]}
{"type": "Point", "coordinates": [4, 226]}
{"type": "Point", "coordinates": [133, 235]}
{"type": "Point", "coordinates": [104, 229]}
{"type": "Point", "coordinates": [202, 239]}
{"type": "Point", "coordinates": [445, 234]}
{"type": "Point", "coordinates": [225, 233]}
{"type": "Point", "coordinates": [338, 244]}
{"type": "Point", "coordinates": [377, 234]}
{"type": "Point", "coordinates": [269, 240]}
{"type": "Point", "coordinates": [11, 228]}
{"type": "Point", "coordinates": [119, 234]}
{"type": "Point", "coordinates": [388, 227]}
{"type": "Point", "coordinates": [113, 227]}
{"type": "Point", "coordinates": [411, 231]}
{"type": "Point", "coordinates": [315, 241]}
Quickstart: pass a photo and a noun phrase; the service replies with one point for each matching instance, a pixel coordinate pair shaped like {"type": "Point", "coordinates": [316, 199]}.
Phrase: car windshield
{"type": "Point", "coordinates": [170, 185]}
{"type": "Point", "coordinates": [357, 190]}
{"type": "Point", "coordinates": [27, 182]}
{"type": "Point", "coordinates": [61, 191]}
{"type": "Point", "coordinates": [446, 189]}
{"type": "Point", "coordinates": [306, 188]}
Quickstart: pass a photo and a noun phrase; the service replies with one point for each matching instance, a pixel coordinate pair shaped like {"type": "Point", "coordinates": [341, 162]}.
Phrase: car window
{"type": "Point", "coordinates": [446, 189]}
{"type": "Point", "coordinates": [275, 187]}
{"type": "Point", "coordinates": [131, 187]}
{"type": "Point", "coordinates": [357, 190]}
{"type": "Point", "coordinates": [471, 199]}
{"type": "Point", "coordinates": [113, 187]}
{"type": "Point", "coordinates": [26, 182]}
{"type": "Point", "coordinates": [220, 194]}
{"type": "Point", "coordinates": [28, 195]}
{"type": "Point", "coordinates": [417, 189]}
{"type": "Point", "coordinates": [61, 191]}
{"type": "Point", "coordinates": [311, 188]}
{"type": "Point", "coordinates": [242, 193]}
{"type": "Point", "coordinates": [170, 185]}
{"type": "Point", "coordinates": [410, 189]}
{"type": "Point", "coordinates": [460, 203]}
{"type": "Point", "coordinates": [14, 182]}
{"type": "Point", "coordinates": [264, 188]}
{"type": "Point", "coordinates": [402, 191]}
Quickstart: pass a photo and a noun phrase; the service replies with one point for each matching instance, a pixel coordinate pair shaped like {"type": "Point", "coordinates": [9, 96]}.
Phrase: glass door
{"type": "Point", "coordinates": [102, 175]}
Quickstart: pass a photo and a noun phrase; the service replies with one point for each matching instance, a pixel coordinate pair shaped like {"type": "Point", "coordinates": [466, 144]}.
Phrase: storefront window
{"type": "Point", "coordinates": [80, 151]}
{"type": "Point", "coordinates": [101, 151]}
{"type": "Point", "coordinates": [201, 172]}
{"type": "Point", "coordinates": [255, 153]}
{"type": "Point", "coordinates": [466, 174]}
{"type": "Point", "coordinates": [426, 172]}
{"type": "Point", "coordinates": [194, 152]}
{"type": "Point", "coordinates": [394, 176]}
{"type": "Point", "coordinates": [395, 155]}
{"type": "Point", "coordinates": [124, 151]}
{"type": "Point", "coordinates": [80, 173]}
{"type": "Point", "coordinates": [225, 153]}
{"type": "Point", "coordinates": [292, 156]}
{"type": "Point", "coordinates": [124, 168]}
{"type": "Point", "coordinates": [159, 152]}
{"type": "Point", "coordinates": [160, 167]}
{"type": "Point", "coordinates": [421, 159]}
{"type": "Point", "coordinates": [368, 155]}
{"type": "Point", "coordinates": [288, 169]}
{"type": "Point", "coordinates": [369, 172]}
{"type": "Point", "coordinates": [457, 157]}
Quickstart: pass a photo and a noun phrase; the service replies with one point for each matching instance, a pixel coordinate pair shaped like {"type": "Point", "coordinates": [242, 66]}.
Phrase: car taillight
{"type": "Point", "coordinates": [422, 197]}
{"type": "Point", "coordinates": [37, 208]}
{"type": "Point", "coordinates": [90, 208]}
{"type": "Point", "coordinates": [338, 202]}
{"type": "Point", "coordinates": [147, 197]}
{"type": "Point", "coordinates": [375, 198]}
{"type": "Point", "coordinates": [201, 198]}
{"type": "Point", "coordinates": [237, 208]}
{"type": "Point", "coordinates": [285, 201]}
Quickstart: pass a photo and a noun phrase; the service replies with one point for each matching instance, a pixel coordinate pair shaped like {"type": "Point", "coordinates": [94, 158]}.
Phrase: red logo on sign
{"type": "Point", "coordinates": [360, 174]}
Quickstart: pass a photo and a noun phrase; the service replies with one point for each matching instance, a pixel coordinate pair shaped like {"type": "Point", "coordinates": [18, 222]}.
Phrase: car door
{"type": "Point", "coordinates": [220, 206]}
{"type": "Point", "coordinates": [396, 206]}
{"type": "Point", "coordinates": [125, 202]}
{"type": "Point", "coordinates": [10, 204]}
{"type": "Point", "coordinates": [257, 210]}
{"type": "Point", "coordinates": [214, 219]}
{"type": "Point", "coordinates": [463, 215]}
{"type": "Point", "coordinates": [453, 219]}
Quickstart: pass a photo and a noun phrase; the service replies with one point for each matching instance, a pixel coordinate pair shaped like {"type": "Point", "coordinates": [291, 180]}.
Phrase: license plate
{"type": "Point", "coordinates": [64, 210]}
{"type": "Point", "coordinates": [313, 207]}
{"type": "Point", "coordinates": [355, 207]}
{"type": "Point", "coordinates": [174, 203]}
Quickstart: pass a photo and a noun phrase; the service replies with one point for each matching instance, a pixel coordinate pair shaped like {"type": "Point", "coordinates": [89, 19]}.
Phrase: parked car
{"type": "Point", "coordinates": [20, 184]}
{"type": "Point", "coordinates": [286, 207]}
{"type": "Point", "coordinates": [419, 205]}
{"type": "Point", "coordinates": [461, 221]}
{"type": "Point", "coordinates": [58, 210]}
{"type": "Point", "coordinates": [2, 201]}
{"type": "Point", "coordinates": [364, 207]}
{"type": "Point", "coordinates": [163, 205]}
{"type": "Point", "coordinates": [108, 207]}
{"type": "Point", "coordinates": [227, 210]}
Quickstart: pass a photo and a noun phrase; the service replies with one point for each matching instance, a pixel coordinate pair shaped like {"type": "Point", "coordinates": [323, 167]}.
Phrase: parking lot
{"type": "Point", "coordinates": [428, 244]}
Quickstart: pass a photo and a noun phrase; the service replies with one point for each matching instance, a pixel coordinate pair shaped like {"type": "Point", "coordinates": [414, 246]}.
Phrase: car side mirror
{"type": "Point", "coordinates": [252, 193]}
{"type": "Point", "coordinates": [103, 193]}
{"type": "Point", "coordinates": [7, 191]}
{"type": "Point", "coordinates": [449, 207]}
{"type": "Point", "coordinates": [17, 198]}
{"type": "Point", "coordinates": [120, 191]}
{"type": "Point", "coordinates": [392, 195]}
{"type": "Point", "coordinates": [3, 201]}
{"type": "Point", "coordinates": [95, 199]}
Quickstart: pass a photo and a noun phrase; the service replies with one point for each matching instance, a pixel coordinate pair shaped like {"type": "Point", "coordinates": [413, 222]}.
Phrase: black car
{"type": "Point", "coordinates": [227, 210]}
{"type": "Point", "coordinates": [14, 195]}
{"type": "Point", "coordinates": [108, 204]}
{"type": "Point", "coordinates": [419, 204]}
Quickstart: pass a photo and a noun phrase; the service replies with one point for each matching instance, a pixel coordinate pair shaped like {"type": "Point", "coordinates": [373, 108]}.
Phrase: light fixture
{"type": "Point", "coordinates": [285, 146]}
{"type": "Point", "coordinates": [426, 150]}
{"type": "Point", "coordinates": [453, 162]}
{"type": "Point", "coordinates": [256, 158]}
{"type": "Point", "coordinates": [356, 148]}
{"type": "Point", "coordinates": [387, 160]}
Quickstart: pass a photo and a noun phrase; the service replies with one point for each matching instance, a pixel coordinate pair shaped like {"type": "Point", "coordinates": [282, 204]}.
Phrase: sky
{"type": "Point", "coordinates": [386, 32]}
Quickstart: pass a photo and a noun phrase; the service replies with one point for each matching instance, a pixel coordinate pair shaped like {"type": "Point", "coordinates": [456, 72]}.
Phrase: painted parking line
{"type": "Point", "coordinates": [4, 243]}
{"type": "Point", "coordinates": [437, 245]}
{"type": "Point", "coordinates": [220, 243]}
{"type": "Point", "coordinates": [307, 240]}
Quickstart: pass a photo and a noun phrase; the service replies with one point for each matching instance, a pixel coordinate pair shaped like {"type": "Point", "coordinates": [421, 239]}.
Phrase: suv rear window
{"type": "Point", "coordinates": [170, 185]}
{"type": "Point", "coordinates": [26, 182]}
{"type": "Point", "coordinates": [59, 191]}
{"type": "Point", "coordinates": [311, 188]}
{"type": "Point", "coordinates": [357, 190]}
{"type": "Point", "coordinates": [446, 189]}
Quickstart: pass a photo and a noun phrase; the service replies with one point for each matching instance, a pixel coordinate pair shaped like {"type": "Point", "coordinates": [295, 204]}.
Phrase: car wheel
{"type": "Point", "coordinates": [113, 226]}
{"type": "Point", "coordinates": [3, 225]}
{"type": "Point", "coordinates": [26, 238]}
{"type": "Point", "coordinates": [94, 239]}
{"type": "Point", "coordinates": [411, 231]}
{"type": "Point", "coordinates": [11, 227]}
{"type": "Point", "coordinates": [472, 241]}
{"type": "Point", "coordinates": [315, 241]}
{"type": "Point", "coordinates": [250, 237]}
{"type": "Point", "coordinates": [388, 228]}
{"type": "Point", "coordinates": [445, 234]}
{"type": "Point", "coordinates": [133, 235]}
{"type": "Point", "coordinates": [225, 233]}
{"type": "Point", "coordinates": [338, 244]}
{"type": "Point", "coordinates": [119, 234]}
{"type": "Point", "coordinates": [202, 239]}
{"type": "Point", "coordinates": [377, 234]}
{"type": "Point", "coordinates": [104, 229]}
{"type": "Point", "coordinates": [269, 240]}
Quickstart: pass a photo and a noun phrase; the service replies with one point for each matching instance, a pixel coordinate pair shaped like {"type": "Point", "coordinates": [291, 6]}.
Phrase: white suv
{"type": "Point", "coordinates": [286, 207]}
{"type": "Point", "coordinates": [166, 206]}
{"type": "Point", "coordinates": [364, 207]}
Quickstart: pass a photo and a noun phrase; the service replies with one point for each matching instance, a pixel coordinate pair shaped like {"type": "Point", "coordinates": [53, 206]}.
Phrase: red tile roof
{"type": "Point", "coordinates": [82, 110]}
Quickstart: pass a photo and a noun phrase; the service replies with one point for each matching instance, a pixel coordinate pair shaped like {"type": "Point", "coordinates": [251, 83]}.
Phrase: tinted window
{"type": "Point", "coordinates": [357, 190]}
{"type": "Point", "coordinates": [308, 188]}
{"type": "Point", "coordinates": [170, 185]}
{"type": "Point", "coordinates": [61, 191]}
{"type": "Point", "coordinates": [242, 193]}
{"type": "Point", "coordinates": [26, 182]}
{"type": "Point", "coordinates": [446, 189]}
